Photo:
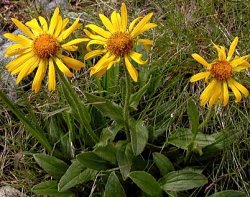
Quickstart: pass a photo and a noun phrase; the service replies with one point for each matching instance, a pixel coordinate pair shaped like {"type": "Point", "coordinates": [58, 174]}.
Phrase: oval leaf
{"type": "Point", "coordinates": [163, 163]}
{"type": "Point", "coordinates": [49, 188]}
{"type": "Point", "coordinates": [229, 193]}
{"type": "Point", "coordinates": [139, 137]}
{"type": "Point", "coordinates": [53, 166]}
{"type": "Point", "coordinates": [113, 187]}
{"type": "Point", "coordinates": [93, 161]}
{"type": "Point", "coordinates": [182, 180]}
{"type": "Point", "coordinates": [146, 182]}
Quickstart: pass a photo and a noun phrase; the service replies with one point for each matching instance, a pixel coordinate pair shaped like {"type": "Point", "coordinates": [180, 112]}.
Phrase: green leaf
{"type": "Point", "coordinates": [76, 174]}
{"type": "Point", "coordinates": [229, 193]}
{"type": "Point", "coordinates": [108, 108]}
{"type": "Point", "coordinates": [52, 165]}
{"type": "Point", "coordinates": [113, 187]}
{"type": "Point", "coordinates": [139, 136]}
{"type": "Point", "coordinates": [193, 115]}
{"type": "Point", "coordinates": [78, 108]}
{"type": "Point", "coordinates": [106, 152]}
{"type": "Point", "coordinates": [182, 137]}
{"type": "Point", "coordinates": [49, 188]}
{"type": "Point", "coordinates": [136, 97]}
{"type": "Point", "coordinates": [146, 182]}
{"type": "Point", "coordinates": [182, 180]}
{"type": "Point", "coordinates": [124, 156]}
{"type": "Point", "coordinates": [163, 163]}
{"type": "Point", "coordinates": [93, 161]}
{"type": "Point", "coordinates": [34, 130]}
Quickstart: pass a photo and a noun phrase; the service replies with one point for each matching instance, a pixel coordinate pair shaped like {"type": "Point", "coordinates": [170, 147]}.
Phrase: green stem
{"type": "Point", "coordinates": [202, 125]}
{"type": "Point", "coordinates": [36, 131]}
{"type": "Point", "coordinates": [126, 104]}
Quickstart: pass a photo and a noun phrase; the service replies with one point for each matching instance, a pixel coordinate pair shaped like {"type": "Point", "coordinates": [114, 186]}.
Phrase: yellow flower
{"type": "Point", "coordinates": [219, 74]}
{"type": "Point", "coordinates": [42, 47]}
{"type": "Point", "coordinates": [118, 41]}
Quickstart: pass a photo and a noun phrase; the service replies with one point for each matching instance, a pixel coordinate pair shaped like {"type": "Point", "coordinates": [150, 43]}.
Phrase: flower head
{"type": "Point", "coordinates": [41, 47]}
{"type": "Point", "coordinates": [220, 75]}
{"type": "Point", "coordinates": [118, 41]}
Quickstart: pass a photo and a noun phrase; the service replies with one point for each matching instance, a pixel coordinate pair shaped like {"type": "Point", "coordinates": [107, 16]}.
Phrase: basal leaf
{"type": "Point", "coordinates": [76, 174]}
{"type": "Point", "coordinates": [52, 165]}
{"type": "Point", "coordinates": [182, 180]}
{"type": "Point", "coordinates": [139, 136]}
{"type": "Point", "coordinates": [124, 156]}
{"type": "Point", "coordinates": [146, 182]}
{"type": "Point", "coordinates": [229, 193]}
{"type": "Point", "coordinates": [113, 187]}
{"type": "Point", "coordinates": [49, 188]}
{"type": "Point", "coordinates": [163, 163]}
{"type": "Point", "coordinates": [93, 161]}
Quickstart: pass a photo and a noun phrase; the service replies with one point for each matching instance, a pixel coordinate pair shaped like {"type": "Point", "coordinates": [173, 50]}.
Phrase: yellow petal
{"type": "Point", "coordinates": [239, 60]}
{"type": "Point", "coordinates": [107, 23]}
{"type": "Point", "coordinates": [26, 67]}
{"type": "Point", "coordinates": [235, 90]}
{"type": "Point", "coordinates": [23, 28]}
{"type": "Point", "coordinates": [141, 24]}
{"type": "Point", "coordinates": [124, 17]}
{"type": "Point", "coordinates": [225, 94]}
{"type": "Point", "coordinates": [243, 66]}
{"type": "Point", "coordinates": [206, 94]}
{"type": "Point", "coordinates": [240, 87]}
{"type": "Point", "coordinates": [58, 28]}
{"type": "Point", "coordinates": [199, 76]}
{"type": "Point", "coordinates": [102, 63]}
{"type": "Point", "coordinates": [52, 76]}
{"type": "Point", "coordinates": [71, 62]}
{"type": "Point", "coordinates": [70, 48]}
{"type": "Point", "coordinates": [137, 57]}
{"type": "Point", "coordinates": [18, 61]}
{"type": "Point", "coordinates": [216, 93]}
{"type": "Point", "coordinates": [43, 23]}
{"type": "Point", "coordinates": [222, 54]}
{"type": "Point", "coordinates": [75, 41]}
{"type": "Point", "coordinates": [99, 30]}
{"type": "Point", "coordinates": [232, 48]}
{"type": "Point", "coordinates": [17, 49]}
{"type": "Point", "coordinates": [71, 29]}
{"type": "Point", "coordinates": [35, 27]}
{"type": "Point", "coordinates": [17, 68]}
{"type": "Point", "coordinates": [115, 21]}
{"type": "Point", "coordinates": [93, 36]}
{"type": "Point", "coordinates": [63, 68]}
{"type": "Point", "coordinates": [131, 70]}
{"type": "Point", "coordinates": [53, 21]}
{"type": "Point", "coordinates": [200, 59]}
{"type": "Point", "coordinates": [19, 39]}
{"type": "Point", "coordinates": [98, 42]}
{"type": "Point", "coordinates": [93, 54]}
{"type": "Point", "coordinates": [145, 28]}
{"type": "Point", "coordinates": [65, 22]}
{"type": "Point", "coordinates": [132, 24]}
{"type": "Point", "coordinates": [40, 74]}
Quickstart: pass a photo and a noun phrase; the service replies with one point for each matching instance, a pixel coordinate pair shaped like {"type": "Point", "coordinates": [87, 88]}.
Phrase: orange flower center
{"type": "Point", "coordinates": [45, 46]}
{"type": "Point", "coordinates": [221, 70]}
{"type": "Point", "coordinates": [119, 44]}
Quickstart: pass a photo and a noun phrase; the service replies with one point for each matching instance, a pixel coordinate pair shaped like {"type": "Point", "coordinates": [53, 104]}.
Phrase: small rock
{"type": "Point", "coordinates": [8, 191]}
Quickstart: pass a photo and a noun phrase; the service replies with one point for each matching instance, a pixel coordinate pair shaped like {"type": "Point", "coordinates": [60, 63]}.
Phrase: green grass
{"type": "Point", "coordinates": [184, 27]}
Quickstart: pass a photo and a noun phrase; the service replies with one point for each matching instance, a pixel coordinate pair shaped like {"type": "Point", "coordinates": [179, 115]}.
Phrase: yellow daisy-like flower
{"type": "Point", "coordinates": [41, 47]}
{"type": "Point", "coordinates": [220, 76]}
{"type": "Point", "coordinates": [118, 41]}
